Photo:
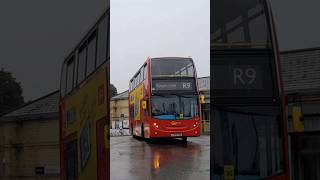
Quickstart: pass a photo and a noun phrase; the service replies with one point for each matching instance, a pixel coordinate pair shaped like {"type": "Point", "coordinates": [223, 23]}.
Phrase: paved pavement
{"type": "Point", "coordinates": [134, 159]}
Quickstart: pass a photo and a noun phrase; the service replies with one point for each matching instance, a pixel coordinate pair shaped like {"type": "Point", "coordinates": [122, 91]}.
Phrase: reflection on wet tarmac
{"type": "Point", "coordinates": [156, 161]}
{"type": "Point", "coordinates": [133, 159]}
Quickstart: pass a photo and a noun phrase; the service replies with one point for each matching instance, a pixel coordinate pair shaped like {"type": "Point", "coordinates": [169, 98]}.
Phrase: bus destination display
{"type": "Point", "coordinates": [238, 77]}
{"type": "Point", "coordinates": [173, 85]}
{"type": "Point", "coordinates": [243, 77]}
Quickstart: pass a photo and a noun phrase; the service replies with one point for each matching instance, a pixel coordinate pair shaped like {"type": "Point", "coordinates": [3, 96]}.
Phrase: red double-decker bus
{"type": "Point", "coordinates": [84, 106]}
{"type": "Point", "coordinates": [249, 124]}
{"type": "Point", "coordinates": [164, 99]}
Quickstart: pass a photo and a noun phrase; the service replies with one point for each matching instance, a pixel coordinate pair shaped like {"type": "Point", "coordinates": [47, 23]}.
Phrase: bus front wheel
{"type": "Point", "coordinates": [184, 139]}
{"type": "Point", "coordinates": [132, 133]}
{"type": "Point", "coordinates": [142, 131]}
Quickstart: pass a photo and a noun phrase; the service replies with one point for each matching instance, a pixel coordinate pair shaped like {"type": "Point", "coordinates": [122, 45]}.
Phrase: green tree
{"type": "Point", "coordinates": [113, 90]}
{"type": "Point", "coordinates": [10, 92]}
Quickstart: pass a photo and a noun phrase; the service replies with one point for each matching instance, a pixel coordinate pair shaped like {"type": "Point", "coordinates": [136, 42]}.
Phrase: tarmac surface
{"type": "Point", "coordinates": [167, 159]}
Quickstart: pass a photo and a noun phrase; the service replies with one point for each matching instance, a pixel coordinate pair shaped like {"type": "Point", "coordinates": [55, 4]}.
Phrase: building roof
{"type": "Point", "coordinates": [300, 50]}
{"type": "Point", "coordinates": [121, 96]}
{"type": "Point", "coordinates": [43, 107]}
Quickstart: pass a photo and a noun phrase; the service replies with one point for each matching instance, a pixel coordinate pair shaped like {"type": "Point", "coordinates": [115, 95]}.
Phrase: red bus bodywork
{"type": "Point", "coordinates": [84, 109]}
{"type": "Point", "coordinates": [273, 163]}
{"type": "Point", "coordinates": [150, 127]}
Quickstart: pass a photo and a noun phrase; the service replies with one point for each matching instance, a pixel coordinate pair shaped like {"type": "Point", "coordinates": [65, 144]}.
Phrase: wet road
{"type": "Point", "coordinates": [133, 159]}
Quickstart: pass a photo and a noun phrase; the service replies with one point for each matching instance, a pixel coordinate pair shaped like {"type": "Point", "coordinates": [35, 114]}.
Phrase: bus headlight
{"type": "Point", "coordinates": [155, 125]}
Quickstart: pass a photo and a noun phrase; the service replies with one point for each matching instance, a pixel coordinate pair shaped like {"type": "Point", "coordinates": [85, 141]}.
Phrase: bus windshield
{"type": "Point", "coordinates": [239, 24]}
{"type": "Point", "coordinates": [174, 106]}
{"type": "Point", "coordinates": [172, 67]}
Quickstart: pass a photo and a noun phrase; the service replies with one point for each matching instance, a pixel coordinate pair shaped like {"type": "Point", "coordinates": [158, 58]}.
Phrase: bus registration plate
{"type": "Point", "coordinates": [176, 134]}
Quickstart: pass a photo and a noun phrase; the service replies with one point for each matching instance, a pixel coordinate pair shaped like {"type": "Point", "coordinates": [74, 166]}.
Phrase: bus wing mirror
{"type": "Point", "coordinates": [144, 105]}
{"type": "Point", "coordinates": [202, 99]}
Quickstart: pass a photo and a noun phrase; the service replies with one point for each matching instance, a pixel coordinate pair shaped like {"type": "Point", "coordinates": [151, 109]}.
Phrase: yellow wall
{"type": "Point", "coordinates": [28, 144]}
{"type": "Point", "coordinates": [118, 107]}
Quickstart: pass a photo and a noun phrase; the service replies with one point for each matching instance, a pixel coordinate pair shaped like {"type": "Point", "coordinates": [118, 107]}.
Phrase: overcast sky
{"type": "Point", "coordinates": [143, 28]}
{"type": "Point", "coordinates": [35, 35]}
{"type": "Point", "coordinates": [297, 23]}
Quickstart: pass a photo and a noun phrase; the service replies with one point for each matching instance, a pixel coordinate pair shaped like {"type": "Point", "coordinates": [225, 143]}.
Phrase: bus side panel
{"type": "Point", "coordinates": [88, 104]}
{"type": "Point", "coordinates": [131, 116]}
{"type": "Point", "coordinates": [147, 90]}
{"type": "Point", "coordinates": [61, 122]}
{"type": "Point", "coordinates": [146, 125]}
{"type": "Point", "coordinates": [103, 149]}
{"type": "Point", "coordinates": [136, 97]}
{"type": "Point", "coordinates": [144, 112]}
{"type": "Point", "coordinates": [137, 116]}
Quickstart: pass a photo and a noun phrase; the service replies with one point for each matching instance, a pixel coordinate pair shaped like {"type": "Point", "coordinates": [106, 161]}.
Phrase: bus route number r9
{"type": "Point", "coordinates": [244, 76]}
{"type": "Point", "coordinates": [186, 85]}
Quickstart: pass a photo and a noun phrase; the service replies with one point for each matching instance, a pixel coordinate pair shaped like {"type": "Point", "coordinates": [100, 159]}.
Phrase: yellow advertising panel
{"type": "Point", "coordinates": [82, 110]}
{"type": "Point", "coordinates": [136, 97]}
{"type": "Point", "coordinates": [144, 105]}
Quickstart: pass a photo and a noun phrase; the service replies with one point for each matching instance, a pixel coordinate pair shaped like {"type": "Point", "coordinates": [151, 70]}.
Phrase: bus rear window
{"type": "Point", "coordinates": [172, 67]}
